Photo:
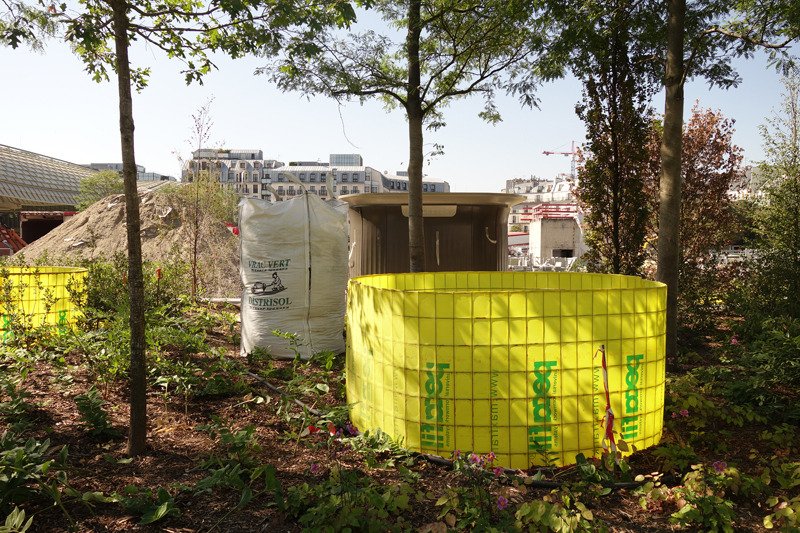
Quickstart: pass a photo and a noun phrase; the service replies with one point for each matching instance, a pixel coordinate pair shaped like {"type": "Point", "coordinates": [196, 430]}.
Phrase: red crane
{"type": "Point", "coordinates": [572, 153]}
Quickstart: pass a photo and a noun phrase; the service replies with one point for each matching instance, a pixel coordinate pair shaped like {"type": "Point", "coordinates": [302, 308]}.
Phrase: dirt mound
{"type": "Point", "coordinates": [167, 234]}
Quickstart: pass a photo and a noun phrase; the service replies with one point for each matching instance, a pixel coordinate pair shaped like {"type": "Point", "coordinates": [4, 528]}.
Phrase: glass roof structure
{"type": "Point", "coordinates": [31, 179]}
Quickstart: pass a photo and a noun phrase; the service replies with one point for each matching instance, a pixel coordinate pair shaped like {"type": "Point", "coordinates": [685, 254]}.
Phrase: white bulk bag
{"type": "Point", "coordinates": [293, 258]}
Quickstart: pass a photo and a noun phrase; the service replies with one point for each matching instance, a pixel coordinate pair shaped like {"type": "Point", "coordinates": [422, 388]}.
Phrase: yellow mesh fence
{"type": "Point", "coordinates": [37, 296]}
{"type": "Point", "coordinates": [505, 362]}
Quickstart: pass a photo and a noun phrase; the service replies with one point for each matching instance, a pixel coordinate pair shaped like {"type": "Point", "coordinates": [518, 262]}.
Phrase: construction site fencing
{"type": "Point", "coordinates": [507, 362]}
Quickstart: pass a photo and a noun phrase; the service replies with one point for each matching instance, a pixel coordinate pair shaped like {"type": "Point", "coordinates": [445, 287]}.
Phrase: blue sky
{"type": "Point", "coordinates": [51, 106]}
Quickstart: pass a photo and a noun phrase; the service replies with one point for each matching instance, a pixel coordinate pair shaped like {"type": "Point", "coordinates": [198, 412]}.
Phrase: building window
{"type": "Point", "coordinates": [242, 164]}
{"type": "Point", "coordinates": [344, 190]}
{"type": "Point", "coordinates": [356, 178]}
{"type": "Point", "coordinates": [405, 185]}
{"type": "Point", "coordinates": [302, 177]}
{"type": "Point", "coordinates": [255, 165]}
{"type": "Point", "coordinates": [424, 187]}
{"type": "Point", "coordinates": [355, 190]}
{"type": "Point", "coordinates": [230, 176]}
{"type": "Point", "coordinates": [280, 177]}
{"type": "Point", "coordinates": [312, 178]}
{"type": "Point", "coordinates": [323, 191]}
{"type": "Point", "coordinates": [255, 188]}
{"type": "Point", "coordinates": [344, 178]}
{"type": "Point", "coordinates": [312, 188]}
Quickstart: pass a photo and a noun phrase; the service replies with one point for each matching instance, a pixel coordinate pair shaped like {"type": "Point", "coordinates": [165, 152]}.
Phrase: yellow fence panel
{"type": "Point", "coordinates": [506, 362]}
{"type": "Point", "coordinates": [38, 295]}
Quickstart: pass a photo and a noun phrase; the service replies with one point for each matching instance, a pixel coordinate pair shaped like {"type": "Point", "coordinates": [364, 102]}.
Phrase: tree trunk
{"type": "Point", "coordinates": [670, 202]}
{"type": "Point", "coordinates": [416, 230]}
{"type": "Point", "coordinates": [137, 439]}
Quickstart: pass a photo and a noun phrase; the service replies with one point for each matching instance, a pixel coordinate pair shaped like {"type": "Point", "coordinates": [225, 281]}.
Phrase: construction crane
{"type": "Point", "coordinates": [572, 153]}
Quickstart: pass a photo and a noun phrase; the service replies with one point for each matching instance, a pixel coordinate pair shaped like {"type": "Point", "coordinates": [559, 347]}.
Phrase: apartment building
{"type": "Point", "coordinates": [536, 191]}
{"type": "Point", "coordinates": [398, 182]}
{"type": "Point", "coordinates": [344, 179]}
{"type": "Point", "coordinates": [252, 176]}
{"type": "Point", "coordinates": [244, 171]}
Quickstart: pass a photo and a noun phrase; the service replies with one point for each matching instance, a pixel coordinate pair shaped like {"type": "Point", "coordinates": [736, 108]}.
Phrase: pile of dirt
{"type": "Point", "coordinates": [167, 232]}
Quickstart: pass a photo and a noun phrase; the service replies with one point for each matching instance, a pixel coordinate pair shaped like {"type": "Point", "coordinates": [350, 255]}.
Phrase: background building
{"type": "Point", "coordinates": [141, 173]}
{"type": "Point", "coordinates": [252, 176]}
{"type": "Point", "coordinates": [536, 191]}
{"type": "Point", "coordinates": [398, 182]}
{"type": "Point", "coordinates": [241, 170]}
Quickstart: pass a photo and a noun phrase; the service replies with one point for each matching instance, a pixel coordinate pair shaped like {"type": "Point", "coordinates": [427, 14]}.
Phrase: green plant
{"type": "Point", "coordinates": [378, 449]}
{"type": "Point", "coordinates": [14, 408]}
{"type": "Point", "coordinates": [675, 457]}
{"type": "Point", "coordinates": [152, 507]}
{"type": "Point", "coordinates": [785, 515]}
{"type": "Point", "coordinates": [23, 466]}
{"type": "Point", "coordinates": [15, 522]}
{"type": "Point", "coordinates": [559, 511]}
{"type": "Point", "coordinates": [704, 501]}
{"type": "Point", "coordinates": [90, 405]}
{"type": "Point", "coordinates": [347, 500]}
{"type": "Point", "coordinates": [608, 464]}
{"type": "Point", "coordinates": [482, 504]}
{"type": "Point", "coordinates": [241, 444]}
{"type": "Point", "coordinates": [782, 437]}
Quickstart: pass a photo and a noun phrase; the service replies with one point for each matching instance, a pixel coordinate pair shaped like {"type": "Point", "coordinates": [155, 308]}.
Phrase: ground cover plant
{"type": "Point", "coordinates": [228, 452]}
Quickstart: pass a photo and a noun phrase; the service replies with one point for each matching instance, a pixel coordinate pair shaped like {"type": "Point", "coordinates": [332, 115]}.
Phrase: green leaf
{"type": "Point", "coordinates": [247, 495]}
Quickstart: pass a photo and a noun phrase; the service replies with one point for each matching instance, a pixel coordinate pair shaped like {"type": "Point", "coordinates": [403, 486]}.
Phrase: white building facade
{"type": "Point", "coordinates": [252, 176]}
{"type": "Point", "coordinates": [536, 191]}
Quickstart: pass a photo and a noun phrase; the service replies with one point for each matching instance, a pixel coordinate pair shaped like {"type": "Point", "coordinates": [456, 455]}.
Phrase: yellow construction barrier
{"type": "Point", "coordinates": [37, 296]}
{"type": "Point", "coordinates": [506, 362]}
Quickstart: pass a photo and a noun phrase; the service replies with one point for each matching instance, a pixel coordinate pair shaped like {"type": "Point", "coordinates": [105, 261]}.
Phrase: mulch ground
{"type": "Point", "coordinates": [176, 448]}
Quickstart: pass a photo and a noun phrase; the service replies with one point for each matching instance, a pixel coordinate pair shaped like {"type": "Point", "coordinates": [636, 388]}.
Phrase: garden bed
{"type": "Point", "coordinates": [218, 436]}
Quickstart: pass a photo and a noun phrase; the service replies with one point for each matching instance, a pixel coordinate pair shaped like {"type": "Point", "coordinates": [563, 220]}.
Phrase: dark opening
{"type": "Point", "coordinates": [35, 229]}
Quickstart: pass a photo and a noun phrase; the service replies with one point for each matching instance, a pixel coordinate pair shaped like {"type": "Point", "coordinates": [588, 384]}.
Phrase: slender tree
{"type": "Point", "coordinates": [775, 285]}
{"type": "Point", "coordinates": [680, 40]}
{"type": "Point", "coordinates": [186, 30]}
{"type": "Point", "coordinates": [610, 184]}
{"type": "Point", "coordinates": [452, 49]}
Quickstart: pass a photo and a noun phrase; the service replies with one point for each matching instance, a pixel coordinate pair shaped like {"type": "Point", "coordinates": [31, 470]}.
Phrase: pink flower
{"type": "Point", "coordinates": [498, 471]}
{"type": "Point", "coordinates": [502, 503]}
{"type": "Point", "coordinates": [685, 412]}
{"type": "Point", "coordinates": [491, 457]}
{"type": "Point", "coordinates": [314, 469]}
{"type": "Point", "coordinates": [720, 466]}
{"type": "Point", "coordinates": [474, 458]}
{"type": "Point", "coordinates": [457, 454]}
{"type": "Point", "coordinates": [735, 339]}
{"type": "Point", "coordinates": [674, 414]}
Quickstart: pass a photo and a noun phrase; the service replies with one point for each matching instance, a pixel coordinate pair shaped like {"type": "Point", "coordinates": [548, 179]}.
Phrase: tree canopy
{"type": "Point", "coordinates": [21, 23]}
{"type": "Point", "coordinates": [452, 49]}
{"type": "Point", "coordinates": [98, 186]}
{"type": "Point", "coordinates": [101, 33]}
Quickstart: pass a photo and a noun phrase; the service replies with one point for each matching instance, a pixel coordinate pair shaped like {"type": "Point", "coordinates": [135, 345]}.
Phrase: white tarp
{"type": "Point", "coordinates": [294, 271]}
